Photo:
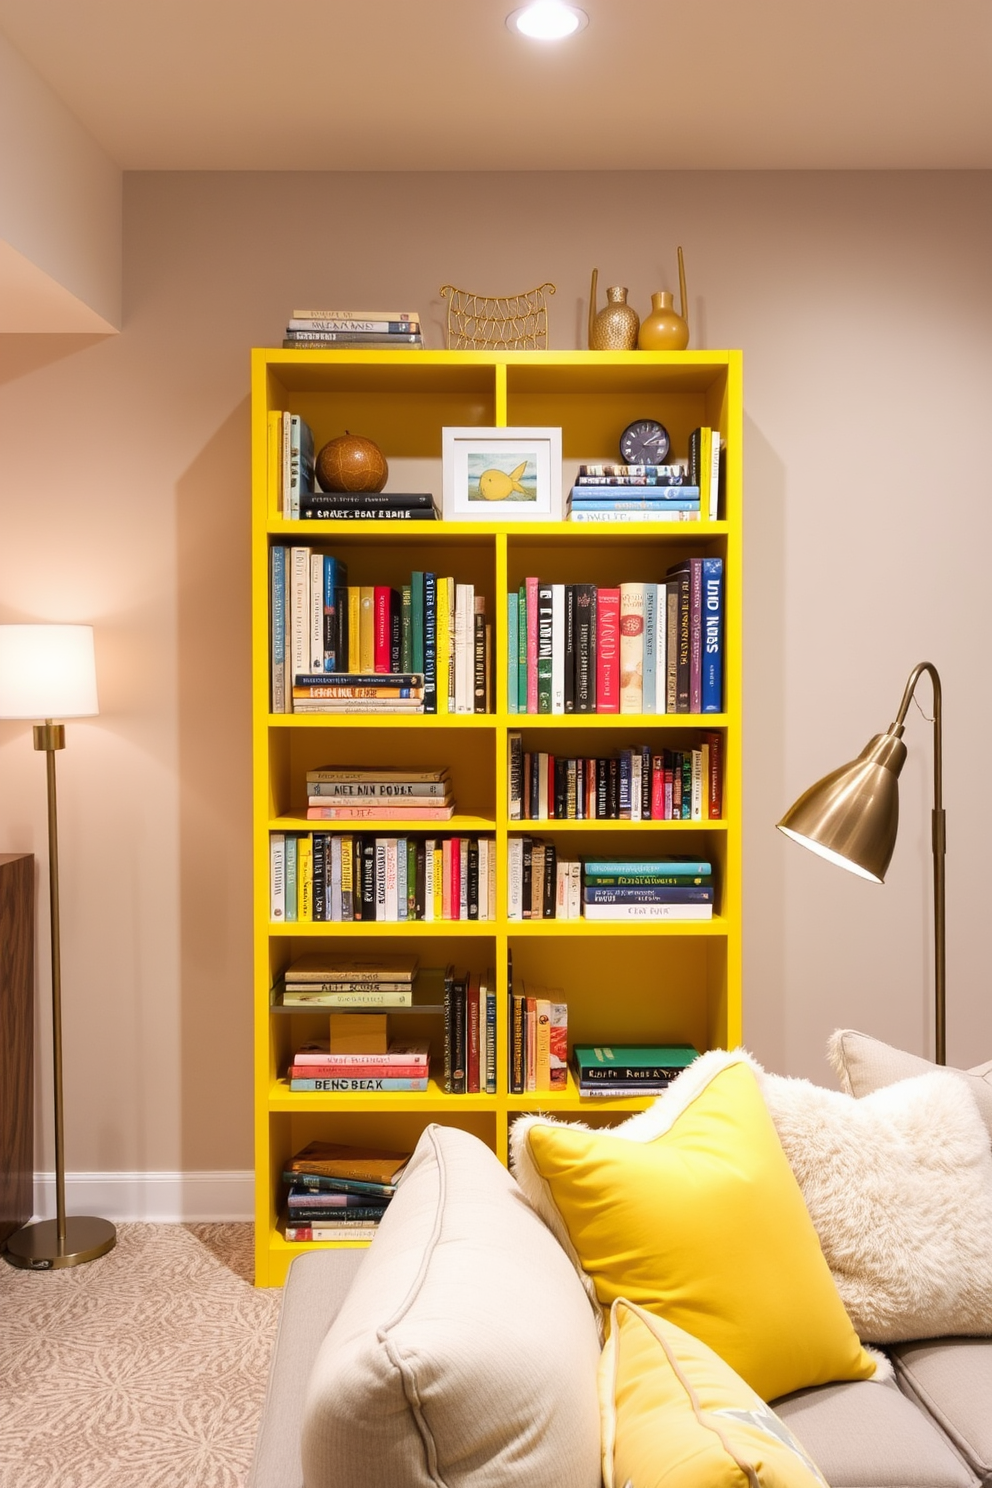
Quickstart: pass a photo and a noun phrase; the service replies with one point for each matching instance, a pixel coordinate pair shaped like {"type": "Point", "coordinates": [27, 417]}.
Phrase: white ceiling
{"type": "Point", "coordinates": [443, 85]}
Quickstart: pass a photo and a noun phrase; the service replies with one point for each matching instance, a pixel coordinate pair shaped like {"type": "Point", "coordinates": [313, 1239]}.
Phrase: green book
{"type": "Point", "coordinates": [626, 1063]}
{"type": "Point", "coordinates": [406, 630]}
{"type": "Point", "coordinates": [417, 620]}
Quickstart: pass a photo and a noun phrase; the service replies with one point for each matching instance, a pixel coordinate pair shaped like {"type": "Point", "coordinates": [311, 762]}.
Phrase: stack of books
{"type": "Point", "coordinates": [538, 1040]}
{"type": "Point", "coordinates": [404, 1066]}
{"type": "Point", "coordinates": [421, 647]}
{"type": "Point", "coordinates": [642, 783]}
{"type": "Point", "coordinates": [628, 1069]}
{"type": "Point", "coordinates": [638, 647]}
{"type": "Point", "coordinates": [469, 1032]}
{"type": "Point", "coordinates": [632, 493]}
{"type": "Point", "coordinates": [360, 877]}
{"type": "Point", "coordinates": [326, 979]}
{"type": "Point", "coordinates": [383, 793]}
{"type": "Point", "coordinates": [317, 330]}
{"type": "Point", "coordinates": [339, 1192]}
{"type": "Point", "coordinates": [647, 889]}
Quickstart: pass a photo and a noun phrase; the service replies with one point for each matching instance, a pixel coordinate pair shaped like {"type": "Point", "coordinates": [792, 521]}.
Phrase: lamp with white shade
{"type": "Point", "coordinates": [48, 672]}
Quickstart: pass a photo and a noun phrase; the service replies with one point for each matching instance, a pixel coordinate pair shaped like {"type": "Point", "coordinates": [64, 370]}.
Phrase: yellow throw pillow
{"type": "Point", "coordinates": [696, 1216]}
{"type": "Point", "coordinates": [674, 1413]}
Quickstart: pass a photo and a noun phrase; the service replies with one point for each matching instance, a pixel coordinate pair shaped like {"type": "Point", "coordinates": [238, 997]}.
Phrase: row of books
{"type": "Point", "coordinates": [424, 647]}
{"type": "Point", "coordinates": [637, 784]}
{"type": "Point", "coordinates": [543, 886]}
{"type": "Point", "coordinates": [633, 648]}
{"type": "Point", "coordinates": [538, 1040]}
{"type": "Point", "coordinates": [469, 1032]}
{"type": "Point", "coordinates": [318, 979]}
{"type": "Point", "coordinates": [404, 1065]}
{"type": "Point", "coordinates": [316, 329]}
{"type": "Point", "coordinates": [345, 878]}
{"type": "Point", "coordinates": [339, 1192]}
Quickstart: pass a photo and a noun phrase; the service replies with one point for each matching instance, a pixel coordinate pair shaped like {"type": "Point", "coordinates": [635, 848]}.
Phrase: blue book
{"type": "Point", "coordinates": [370, 1084]}
{"type": "Point", "coordinates": [649, 672]}
{"type": "Point", "coordinates": [278, 601]}
{"type": "Point", "coordinates": [430, 643]}
{"type": "Point", "coordinates": [335, 577]}
{"type": "Point", "coordinates": [644, 867]}
{"type": "Point", "coordinates": [602, 504]}
{"type": "Point", "coordinates": [290, 874]}
{"type": "Point", "coordinates": [652, 894]}
{"type": "Point", "coordinates": [635, 493]}
{"type": "Point", "coordinates": [712, 661]}
{"type": "Point", "coordinates": [512, 652]}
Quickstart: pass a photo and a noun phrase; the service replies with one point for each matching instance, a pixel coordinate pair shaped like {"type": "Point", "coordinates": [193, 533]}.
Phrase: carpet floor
{"type": "Point", "coordinates": [143, 1369]}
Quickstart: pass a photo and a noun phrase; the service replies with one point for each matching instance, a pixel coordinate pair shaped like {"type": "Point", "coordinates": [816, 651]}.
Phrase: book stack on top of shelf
{"type": "Point", "coordinates": [349, 878]}
{"type": "Point", "coordinates": [538, 1040]}
{"type": "Point", "coordinates": [319, 329]}
{"type": "Point", "coordinates": [630, 1069]}
{"type": "Point", "coordinates": [328, 979]}
{"type": "Point", "coordinates": [469, 1032]}
{"type": "Point", "coordinates": [647, 889]}
{"type": "Point", "coordinates": [632, 493]}
{"type": "Point", "coordinates": [403, 1065]}
{"type": "Point", "coordinates": [385, 793]}
{"type": "Point", "coordinates": [424, 647]}
{"type": "Point", "coordinates": [637, 784]}
{"type": "Point", "coordinates": [339, 1192]}
{"type": "Point", "coordinates": [633, 648]}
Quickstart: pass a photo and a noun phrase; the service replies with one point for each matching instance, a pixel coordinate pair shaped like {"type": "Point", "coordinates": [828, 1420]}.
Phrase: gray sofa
{"type": "Point", "coordinates": [460, 1350]}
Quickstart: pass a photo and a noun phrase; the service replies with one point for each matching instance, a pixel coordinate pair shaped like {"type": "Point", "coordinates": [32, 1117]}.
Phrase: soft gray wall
{"type": "Point", "coordinates": [863, 306]}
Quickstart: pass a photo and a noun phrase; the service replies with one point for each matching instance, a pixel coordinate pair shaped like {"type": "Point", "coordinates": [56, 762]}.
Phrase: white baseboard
{"type": "Point", "coordinates": [163, 1198]}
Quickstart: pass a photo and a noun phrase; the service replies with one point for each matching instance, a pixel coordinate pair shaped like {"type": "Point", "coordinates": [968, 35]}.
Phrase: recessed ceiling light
{"type": "Point", "coordinates": [548, 20]}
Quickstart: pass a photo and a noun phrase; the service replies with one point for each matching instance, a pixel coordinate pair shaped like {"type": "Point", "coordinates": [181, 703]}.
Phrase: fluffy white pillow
{"type": "Point", "coordinates": [899, 1187]}
{"type": "Point", "coordinates": [865, 1064]}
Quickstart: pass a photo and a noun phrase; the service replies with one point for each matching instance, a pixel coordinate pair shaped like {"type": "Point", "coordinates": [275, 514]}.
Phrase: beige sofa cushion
{"type": "Point", "coordinates": [865, 1064]}
{"type": "Point", "coordinates": [466, 1351]}
{"type": "Point", "coordinates": [951, 1378]}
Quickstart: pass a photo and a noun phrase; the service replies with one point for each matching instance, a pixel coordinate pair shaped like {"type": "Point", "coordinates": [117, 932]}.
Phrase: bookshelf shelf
{"type": "Point", "coordinates": [639, 981]}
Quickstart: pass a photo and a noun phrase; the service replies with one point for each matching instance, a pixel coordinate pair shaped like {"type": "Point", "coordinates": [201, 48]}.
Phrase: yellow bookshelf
{"type": "Point", "coordinates": [625, 982]}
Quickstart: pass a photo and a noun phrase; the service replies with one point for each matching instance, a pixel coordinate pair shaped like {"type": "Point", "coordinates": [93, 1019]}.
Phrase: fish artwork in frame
{"type": "Point", "coordinates": [501, 475]}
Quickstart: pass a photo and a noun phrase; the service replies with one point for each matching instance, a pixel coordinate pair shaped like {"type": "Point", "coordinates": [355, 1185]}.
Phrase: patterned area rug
{"type": "Point", "coordinates": [143, 1369]}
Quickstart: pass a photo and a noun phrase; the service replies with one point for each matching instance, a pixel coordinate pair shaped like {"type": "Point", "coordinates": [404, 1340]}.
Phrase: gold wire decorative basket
{"type": "Point", "coordinates": [497, 322]}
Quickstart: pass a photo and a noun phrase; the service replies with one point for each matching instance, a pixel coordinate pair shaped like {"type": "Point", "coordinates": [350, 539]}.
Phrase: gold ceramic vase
{"type": "Point", "coordinates": [614, 328]}
{"type": "Point", "coordinates": [664, 329]}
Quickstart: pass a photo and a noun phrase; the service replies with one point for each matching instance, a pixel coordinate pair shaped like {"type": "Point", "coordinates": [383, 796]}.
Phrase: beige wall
{"type": "Point", "coordinates": [864, 307]}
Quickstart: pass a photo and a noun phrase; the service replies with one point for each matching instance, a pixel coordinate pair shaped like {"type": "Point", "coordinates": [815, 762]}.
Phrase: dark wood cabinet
{"type": "Point", "coordinates": [16, 1041]}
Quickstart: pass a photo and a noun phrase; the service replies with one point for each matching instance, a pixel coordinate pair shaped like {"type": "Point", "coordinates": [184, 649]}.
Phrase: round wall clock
{"type": "Point", "coordinates": [644, 442]}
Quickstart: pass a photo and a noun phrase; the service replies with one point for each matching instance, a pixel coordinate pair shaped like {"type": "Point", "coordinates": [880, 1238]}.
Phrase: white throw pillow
{"type": "Point", "coordinates": [899, 1187]}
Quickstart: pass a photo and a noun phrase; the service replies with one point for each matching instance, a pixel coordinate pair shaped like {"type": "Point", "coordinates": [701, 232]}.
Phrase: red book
{"type": "Point", "coordinates": [383, 660]}
{"type": "Point", "coordinates": [370, 812]}
{"type": "Point", "coordinates": [657, 787]}
{"type": "Point", "coordinates": [351, 1071]}
{"type": "Point", "coordinates": [455, 883]}
{"type": "Point", "coordinates": [532, 587]}
{"type": "Point", "coordinates": [714, 786]}
{"type": "Point", "coordinates": [608, 651]}
{"type": "Point", "coordinates": [472, 1034]}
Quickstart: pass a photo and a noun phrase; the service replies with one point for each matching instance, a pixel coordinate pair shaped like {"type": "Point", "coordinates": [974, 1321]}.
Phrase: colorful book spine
{"type": "Point", "coordinates": [695, 634]}
{"type": "Point", "coordinates": [711, 694]}
{"type": "Point", "coordinates": [522, 681]}
{"type": "Point", "coordinates": [631, 647]}
{"type": "Point", "coordinates": [277, 600]}
{"type": "Point", "coordinates": [370, 1084]}
{"type": "Point", "coordinates": [430, 643]}
{"type": "Point", "coordinates": [532, 586]}
{"type": "Point", "coordinates": [442, 643]}
{"type": "Point", "coordinates": [649, 702]}
{"type": "Point", "coordinates": [544, 647]}
{"type": "Point", "coordinates": [512, 653]}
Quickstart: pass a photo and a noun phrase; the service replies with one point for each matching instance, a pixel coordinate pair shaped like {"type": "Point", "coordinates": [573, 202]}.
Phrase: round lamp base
{"type": "Point", "coordinates": [36, 1246]}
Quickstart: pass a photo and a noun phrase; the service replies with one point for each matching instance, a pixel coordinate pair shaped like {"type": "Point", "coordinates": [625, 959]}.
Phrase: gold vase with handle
{"type": "Point", "coordinates": [665, 329]}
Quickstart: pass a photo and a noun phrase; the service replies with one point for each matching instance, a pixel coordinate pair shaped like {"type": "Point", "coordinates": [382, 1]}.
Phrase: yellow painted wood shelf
{"type": "Point", "coordinates": [641, 982]}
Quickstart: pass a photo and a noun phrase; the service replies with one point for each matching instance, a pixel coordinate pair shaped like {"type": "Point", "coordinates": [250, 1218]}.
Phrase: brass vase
{"type": "Point", "coordinates": [614, 328]}
{"type": "Point", "coordinates": [664, 329]}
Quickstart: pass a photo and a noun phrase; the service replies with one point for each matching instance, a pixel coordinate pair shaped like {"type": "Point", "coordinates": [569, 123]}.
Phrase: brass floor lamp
{"type": "Point", "coordinates": [48, 672]}
{"type": "Point", "coordinates": [851, 817]}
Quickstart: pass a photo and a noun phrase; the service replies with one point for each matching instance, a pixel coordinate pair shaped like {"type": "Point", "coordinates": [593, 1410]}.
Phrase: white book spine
{"type": "Point", "coordinates": [561, 889]}
{"type": "Point", "coordinates": [277, 876]}
{"type": "Point", "coordinates": [557, 648]}
{"type": "Point", "coordinates": [316, 612]}
{"type": "Point", "coordinates": [648, 911]}
{"type": "Point", "coordinates": [300, 613]}
{"type": "Point", "coordinates": [696, 797]}
{"type": "Point", "coordinates": [575, 891]}
{"type": "Point", "coordinates": [335, 878]}
{"type": "Point", "coordinates": [429, 879]}
{"type": "Point", "coordinates": [635, 786]}
{"type": "Point", "coordinates": [295, 466]}
{"type": "Point", "coordinates": [714, 491]}
{"type": "Point", "coordinates": [380, 878]}
{"type": "Point", "coordinates": [464, 607]}
{"type": "Point", "coordinates": [515, 879]}
{"type": "Point", "coordinates": [392, 900]}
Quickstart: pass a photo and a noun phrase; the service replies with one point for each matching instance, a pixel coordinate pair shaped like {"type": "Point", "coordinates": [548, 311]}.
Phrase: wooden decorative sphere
{"type": "Point", "coordinates": [351, 463]}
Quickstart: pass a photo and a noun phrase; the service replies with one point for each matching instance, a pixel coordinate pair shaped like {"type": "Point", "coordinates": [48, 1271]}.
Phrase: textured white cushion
{"type": "Point", "coordinates": [466, 1351]}
{"type": "Point", "coordinates": [899, 1187]}
{"type": "Point", "coordinates": [865, 1064]}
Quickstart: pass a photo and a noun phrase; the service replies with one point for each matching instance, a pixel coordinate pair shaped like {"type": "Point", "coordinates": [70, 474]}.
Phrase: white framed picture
{"type": "Point", "coordinates": [501, 475]}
